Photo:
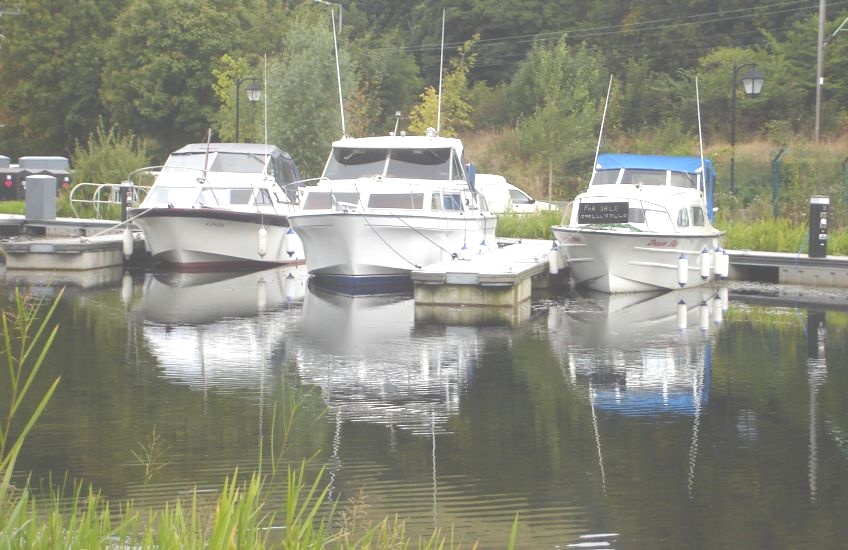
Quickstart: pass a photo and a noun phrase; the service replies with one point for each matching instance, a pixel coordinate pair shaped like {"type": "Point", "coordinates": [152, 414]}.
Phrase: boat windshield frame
{"type": "Point", "coordinates": [647, 177]}
{"type": "Point", "coordinates": [437, 163]}
{"type": "Point", "coordinates": [217, 161]}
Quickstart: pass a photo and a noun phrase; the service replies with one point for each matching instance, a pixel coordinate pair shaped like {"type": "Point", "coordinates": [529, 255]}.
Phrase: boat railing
{"type": "Point", "coordinates": [105, 195]}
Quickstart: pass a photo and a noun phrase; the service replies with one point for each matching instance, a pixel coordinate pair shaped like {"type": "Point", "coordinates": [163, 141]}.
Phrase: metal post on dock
{"type": "Point", "coordinates": [818, 226]}
{"type": "Point", "coordinates": [40, 198]}
{"type": "Point", "coordinates": [126, 187]}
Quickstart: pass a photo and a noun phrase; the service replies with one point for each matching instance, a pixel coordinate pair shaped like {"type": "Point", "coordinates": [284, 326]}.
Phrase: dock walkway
{"type": "Point", "coordinates": [501, 277]}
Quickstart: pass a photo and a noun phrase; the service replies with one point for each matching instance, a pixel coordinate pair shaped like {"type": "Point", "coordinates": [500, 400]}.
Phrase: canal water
{"type": "Point", "coordinates": [715, 418]}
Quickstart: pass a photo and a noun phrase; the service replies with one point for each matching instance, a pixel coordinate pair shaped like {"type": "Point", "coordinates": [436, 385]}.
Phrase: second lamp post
{"type": "Point", "coordinates": [752, 82]}
{"type": "Point", "coordinates": [254, 93]}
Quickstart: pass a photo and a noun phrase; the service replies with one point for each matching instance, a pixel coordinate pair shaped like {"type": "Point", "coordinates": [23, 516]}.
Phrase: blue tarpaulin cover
{"type": "Point", "coordinates": [690, 165]}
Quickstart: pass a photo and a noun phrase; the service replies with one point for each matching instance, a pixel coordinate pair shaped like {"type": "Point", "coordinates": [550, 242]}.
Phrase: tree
{"type": "Point", "coordinates": [50, 61]}
{"type": "Point", "coordinates": [303, 102]}
{"type": "Point", "coordinates": [455, 111]}
{"type": "Point", "coordinates": [560, 132]}
{"type": "Point", "coordinates": [387, 82]}
{"type": "Point", "coordinates": [157, 77]}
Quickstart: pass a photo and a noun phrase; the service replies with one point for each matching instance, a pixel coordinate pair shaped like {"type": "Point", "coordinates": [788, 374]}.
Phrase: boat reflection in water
{"type": "Point", "coordinates": [374, 364]}
{"type": "Point", "coordinates": [219, 330]}
{"type": "Point", "coordinates": [641, 353]}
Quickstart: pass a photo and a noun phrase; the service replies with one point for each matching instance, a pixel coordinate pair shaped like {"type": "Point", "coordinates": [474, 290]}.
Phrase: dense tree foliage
{"type": "Point", "coordinates": [165, 70]}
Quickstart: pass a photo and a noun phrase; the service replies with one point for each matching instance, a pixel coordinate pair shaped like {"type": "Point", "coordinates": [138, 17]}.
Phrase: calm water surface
{"type": "Point", "coordinates": [708, 419]}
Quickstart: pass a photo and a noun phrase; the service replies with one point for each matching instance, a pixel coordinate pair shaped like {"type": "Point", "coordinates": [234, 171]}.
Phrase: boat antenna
{"type": "Point", "coordinates": [441, 70]}
{"type": "Point", "coordinates": [339, 76]}
{"type": "Point", "coordinates": [700, 138]}
{"type": "Point", "coordinates": [265, 108]}
{"type": "Point", "coordinates": [603, 120]}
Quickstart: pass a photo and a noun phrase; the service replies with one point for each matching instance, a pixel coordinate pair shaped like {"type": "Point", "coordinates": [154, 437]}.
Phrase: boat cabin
{"type": "Point", "coordinates": [647, 193]}
{"type": "Point", "coordinates": [394, 172]}
{"type": "Point", "coordinates": [225, 175]}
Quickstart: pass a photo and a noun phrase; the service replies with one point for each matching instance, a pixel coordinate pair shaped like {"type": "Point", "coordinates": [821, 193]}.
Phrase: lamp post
{"type": "Point", "coordinates": [752, 82]}
{"type": "Point", "coordinates": [333, 4]}
{"type": "Point", "coordinates": [254, 93]}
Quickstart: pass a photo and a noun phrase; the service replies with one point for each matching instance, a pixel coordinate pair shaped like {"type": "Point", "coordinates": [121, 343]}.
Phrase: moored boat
{"type": "Point", "coordinates": [385, 206]}
{"type": "Point", "coordinates": [222, 205]}
{"type": "Point", "coordinates": [644, 223]}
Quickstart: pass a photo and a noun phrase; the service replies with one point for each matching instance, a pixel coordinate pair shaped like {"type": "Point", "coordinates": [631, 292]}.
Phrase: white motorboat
{"type": "Point", "coordinates": [388, 205]}
{"type": "Point", "coordinates": [643, 224]}
{"type": "Point", "coordinates": [219, 205]}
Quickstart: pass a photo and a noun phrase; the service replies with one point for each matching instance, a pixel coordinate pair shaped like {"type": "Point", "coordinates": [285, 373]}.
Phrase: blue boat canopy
{"type": "Point", "coordinates": [689, 165]}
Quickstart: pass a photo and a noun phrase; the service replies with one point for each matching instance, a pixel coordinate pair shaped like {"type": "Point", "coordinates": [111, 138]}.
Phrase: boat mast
{"type": "Point", "coordinates": [441, 68]}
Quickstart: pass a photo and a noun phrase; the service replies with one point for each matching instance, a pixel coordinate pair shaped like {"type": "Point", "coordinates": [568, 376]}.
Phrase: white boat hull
{"type": "Point", "coordinates": [620, 261]}
{"type": "Point", "coordinates": [365, 245]}
{"type": "Point", "coordinates": [214, 239]}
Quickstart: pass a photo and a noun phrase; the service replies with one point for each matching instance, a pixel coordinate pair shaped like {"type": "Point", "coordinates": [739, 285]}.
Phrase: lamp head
{"type": "Point", "coordinates": [752, 81]}
{"type": "Point", "coordinates": [254, 91]}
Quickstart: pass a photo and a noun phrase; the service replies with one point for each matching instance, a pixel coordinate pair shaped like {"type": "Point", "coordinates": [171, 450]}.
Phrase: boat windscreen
{"type": "Point", "coordinates": [605, 177]}
{"type": "Point", "coordinates": [238, 162]}
{"type": "Point", "coordinates": [347, 163]}
{"type": "Point", "coordinates": [241, 163]}
{"type": "Point", "coordinates": [643, 177]}
{"type": "Point", "coordinates": [682, 179]}
{"type": "Point", "coordinates": [425, 164]}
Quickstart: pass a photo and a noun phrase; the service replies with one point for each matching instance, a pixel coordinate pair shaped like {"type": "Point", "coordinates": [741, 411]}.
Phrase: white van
{"type": "Point", "coordinates": [502, 196]}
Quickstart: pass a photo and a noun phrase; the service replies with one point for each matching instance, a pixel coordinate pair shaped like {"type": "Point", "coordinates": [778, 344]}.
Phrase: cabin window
{"type": "Point", "coordinates": [240, 196]}
{"type": "Point", "coordinates": [348, 163]}
{"type": "Point", "coordinates": [644, 177]}
{"type": "Point", "coordinates": [263, 197]}
{"type": "Point", "coordinates": [453, 202]}
{"type": "Point", "coordinates": [316, 200]}
{"type": "Point", "coordinates": [413, 201]}
{"type": "Point", "coordinates": [698, 217]}
{"type": "Point", "coordinates": [457, 173]}
{"type": "Point", "coordinates": [683, 218]}
{"type": "Point", "coordinates": [436, 202]}
{"type": "Point", "coordinates": [605, 177]}
{"type": "Point", "coordinates": [425, 164]}
{"type": "Point", "coordinates": [636, 215]}
{"type": "Point", "coordinates": [681, 179]}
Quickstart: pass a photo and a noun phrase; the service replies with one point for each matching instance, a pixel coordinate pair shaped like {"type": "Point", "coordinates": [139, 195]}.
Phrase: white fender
{"type": "Point", "coordinates": [290, 242]}
{"type": "Point", "coordinates": [128, 243]}
{"type": "Point", "coordinates": [682, 270]}
{"type": "Point", "coordinates": [706, 259]}
{"type": "Point", "coordinates": [262, 241]}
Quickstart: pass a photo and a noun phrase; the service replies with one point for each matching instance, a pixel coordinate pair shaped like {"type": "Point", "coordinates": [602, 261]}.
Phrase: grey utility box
{"type": "Point", "coordinates": [40, 204]}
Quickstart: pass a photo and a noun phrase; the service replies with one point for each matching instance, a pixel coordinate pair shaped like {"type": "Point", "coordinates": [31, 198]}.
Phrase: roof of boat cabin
{"type": "Point", "coordinates": [400, 142]}
{"type": "Point", "coordinates": [245, 148]}
{"type": "Point", "coordinates": [615, 161]}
